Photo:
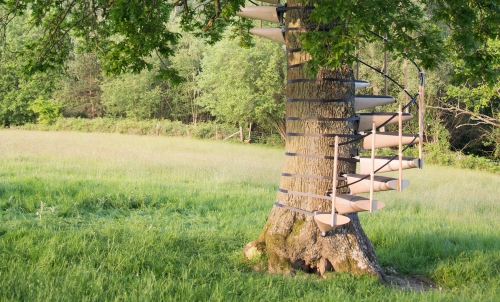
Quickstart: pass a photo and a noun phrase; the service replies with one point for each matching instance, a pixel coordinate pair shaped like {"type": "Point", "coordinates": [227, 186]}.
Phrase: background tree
{"type": "Point", "coordinates": [47, 110]}
{"type": "Point", "coordinates": [18, 90]}
{"type": "Point", "coordinates": [136, 96]}
{"type": "Point", "coordinates": [244, 85]}
{"type": "Point", "coordinates": [182, 99]}
{"type": "Point", "coordinates": [471, 107]}
{"type": "Point", "coordinates": [80, 90]}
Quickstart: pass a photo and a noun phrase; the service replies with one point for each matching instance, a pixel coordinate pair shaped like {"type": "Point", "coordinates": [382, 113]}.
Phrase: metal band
{"type": "Point", "coordinates": [352, 160]}
{"type": "Point", "coordinates": [293, 50]}
{"type": "Point", "coordinates": [293, 29]}
{"type": "Point", "coordinates": [322, 119]}
{"type": "Point", "coordinates": [294, 209]}
{"type": "Point", "coordinates": [295, 65]}
{"type": "Point", "coordinates": [312, 214]}
{"type": "Point", "coordinates": [319, 80]}
{"type": "Point", "coordinates": [324, 135]}
{"type": "Point", "coordinates": [285, 8]}
{"type": "Point", "coordinates": [321, 100]}
{"type": "Point", "coordinates": [305, 194]}
{"type": "Point", "coordinates": [307, 176]}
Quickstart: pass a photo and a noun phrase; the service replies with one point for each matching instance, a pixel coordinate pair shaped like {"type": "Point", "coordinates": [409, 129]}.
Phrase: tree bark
{"type": "Point", "coordinates": [292, 240]}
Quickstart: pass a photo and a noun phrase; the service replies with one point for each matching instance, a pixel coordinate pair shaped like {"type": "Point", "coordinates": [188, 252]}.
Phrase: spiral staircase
{"type": "Point", "coordinates": [369, 134]}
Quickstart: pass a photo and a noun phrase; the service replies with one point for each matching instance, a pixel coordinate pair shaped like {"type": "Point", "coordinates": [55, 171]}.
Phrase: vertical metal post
{"type": "Point", "coordinates": [261, 19]}
{"type": "Point", "coordinates": [334, 187]}
{"type": "Point", "coordinates": [385, 68]}
{"type": "Point", "coordinates": [405, 67]}
{"type": "Point", "coordinates": [357, 60]}
{"type": "Point", "coordinates": [421, 111]}
{"type": "Point", "coordinates": [400, 114]}
{"type": "Point", "coordinates": [372, 171]}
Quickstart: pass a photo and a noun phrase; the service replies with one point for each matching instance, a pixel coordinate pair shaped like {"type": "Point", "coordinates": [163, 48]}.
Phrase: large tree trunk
{"type": "Point", "coordinates": [291, 240]}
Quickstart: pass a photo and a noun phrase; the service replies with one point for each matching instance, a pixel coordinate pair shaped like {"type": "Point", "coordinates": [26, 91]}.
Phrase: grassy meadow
{"type": "Point", "coordinates": [110, 217]}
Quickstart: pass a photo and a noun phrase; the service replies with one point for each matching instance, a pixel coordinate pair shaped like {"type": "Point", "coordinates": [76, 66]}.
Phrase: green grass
{"type": "Point", "coordinates": [100, 217]}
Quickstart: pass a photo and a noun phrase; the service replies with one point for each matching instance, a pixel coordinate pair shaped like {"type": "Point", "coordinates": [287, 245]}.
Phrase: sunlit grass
{"type": "Point", "coordinates": [445, 225]}
{"type": "Point", "coordinates": [88, 216]}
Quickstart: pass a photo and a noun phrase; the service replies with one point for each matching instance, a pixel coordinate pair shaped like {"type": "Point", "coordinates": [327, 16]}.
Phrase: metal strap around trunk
{"type": "Point", "coordinates": [307, 176]}
{"type": "Point", "coordinates": [355, 139]}
{"type": "Point", "coordinates": [324, 135]}
{"type": "Point", "coordinates": [294, 209]}
{"type": "Point", "coordinates": [312, 214]}
{"type": "Point", "coordinates": [319, 80]}
{"type": "Point", "coordinates": [286, 7]}
{"type": "Point", "coordinates": [293, 50]}
{"type": "Point", "coordinates": [322, 119]}
{"type": "Point", "coordinates": [295, 65]}
{"type": "Point", "coordinates": [352, 160]}
{"type": "Point", "coordinates": [294, 28]}
{"type": "Point", "coordinates": [321, 100]}
{"type": "Point", "coordinates": [304, 194]}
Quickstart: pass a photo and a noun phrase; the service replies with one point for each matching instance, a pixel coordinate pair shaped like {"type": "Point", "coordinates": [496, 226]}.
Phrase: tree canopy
{"type": "Point", "coordinates": [126, 33]}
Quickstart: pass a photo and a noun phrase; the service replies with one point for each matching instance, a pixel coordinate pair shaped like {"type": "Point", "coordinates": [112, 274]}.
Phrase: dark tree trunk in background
{"type": "Point", "coordinates": [292, 240]}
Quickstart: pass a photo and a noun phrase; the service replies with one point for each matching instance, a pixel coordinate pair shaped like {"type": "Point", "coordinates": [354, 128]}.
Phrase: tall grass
{"type": "Point", "coordinates": [93, 217]}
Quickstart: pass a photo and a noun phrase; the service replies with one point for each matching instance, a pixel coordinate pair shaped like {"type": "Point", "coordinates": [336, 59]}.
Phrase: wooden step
{"type": "Point", "coordinates": [274, 34]}
{"type": "Point", "coordinates": [366, 120]}
{"type": "Point", "coordinates": [324, 221]}
{"type": "Point", "coordinates": [365, 164]}
{"type": "Point", "coordinates": [388, 139]}
{"type": "Point", "coordinates": [362, 102]}
{"type": "Point", "coordinates": [346, 204]}
{"type": "Point", "coordinates": [359, 84]}
{"type": "Point", "coordinates": [381, 183]}
{"type": "Point", "coordinates": [265, 13]}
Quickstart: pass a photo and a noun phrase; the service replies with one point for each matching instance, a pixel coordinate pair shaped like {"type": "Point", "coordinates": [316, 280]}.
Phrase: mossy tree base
{"type": "Point", "coordinates": [295, 243]}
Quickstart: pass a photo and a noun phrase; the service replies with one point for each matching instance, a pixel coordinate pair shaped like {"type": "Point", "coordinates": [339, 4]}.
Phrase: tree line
{"type": "Point", "coordinates": [241, 86]}
{"type": "Point", "coordinates": [226, 83]}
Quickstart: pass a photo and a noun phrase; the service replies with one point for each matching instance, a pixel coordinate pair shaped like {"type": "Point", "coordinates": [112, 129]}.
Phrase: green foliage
{"type": "Point", "coordinates": [182, 99]}
{"type": "Point", "coordinates": [494, 140]}
{"type": "Point", "coordinates": [145, 95]}
{"type": "Point", "coordinates": [17, 90]}
{"type": "Point", "coordinates": [123, 33]}
{"type": "Point", "coordinates": [417, 27]}
{"type": "Point", "coordinates": [126, 33]}
{"type": "Point", "coordinates": [474, 107]}
{"type": "Point", "coordinates": [478, 94]}
{"type": "Point", "coordinates": [208, 20]}
{"type": "Point", "coordinates": [80, 90]}
{"type": "Point", "coordinates": [47, 110]}
{"type": "Point", "coordinates": [134, 96]}
{"type": "Point", "coordinates": [472, 26]}
{"type": "Point", "coordinates": [404, 23]}
{"type": "Point", "coordinates": [242, 86]}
